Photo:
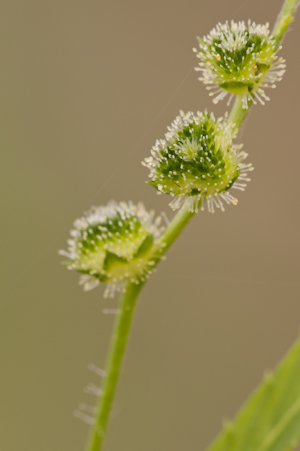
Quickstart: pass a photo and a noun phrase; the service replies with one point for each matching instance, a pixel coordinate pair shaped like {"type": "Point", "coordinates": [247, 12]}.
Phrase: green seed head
{"type": "Point", "coordinates": [198, 162]}
{"type": "Point", "coordinates": [239, 60]}
{"type": "Point", "coordinates": [112, 244]}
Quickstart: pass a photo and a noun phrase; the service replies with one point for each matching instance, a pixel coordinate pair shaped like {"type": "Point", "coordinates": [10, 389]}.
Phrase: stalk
{"type": "Point", "coordinates": [286, 16]}
{"type": "Point", "coordinates": [113, 367]}
{"type": "Point", "coordinates": [238, 113]}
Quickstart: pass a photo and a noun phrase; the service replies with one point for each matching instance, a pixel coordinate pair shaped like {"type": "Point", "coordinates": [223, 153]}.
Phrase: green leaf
{"type": "Point", "coordinates": [270, 419]}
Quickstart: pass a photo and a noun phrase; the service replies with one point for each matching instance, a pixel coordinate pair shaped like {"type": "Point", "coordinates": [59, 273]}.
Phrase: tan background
{"type": "Point", "coordinates": [86, 88]}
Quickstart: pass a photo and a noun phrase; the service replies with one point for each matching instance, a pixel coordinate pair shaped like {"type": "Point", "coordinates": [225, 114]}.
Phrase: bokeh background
{"type": "Point", "coordinates": [86, 89]}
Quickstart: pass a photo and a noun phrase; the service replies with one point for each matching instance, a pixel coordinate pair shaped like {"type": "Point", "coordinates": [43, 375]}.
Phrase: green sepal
{"type": "Point", "coordinates": [231, 182]}
{"type": "Point", "coordinates": [86, 271]}
{"type": "Point", "coordinates": [145, 247]}
{"type": "Point", "coordinates": [235, 87]}
{"type": "Point", "coordinates": [112, 260]}
{"type": "Point", "coordinates": [153, 183]}
{"type": "Point", "coordinates": [201, 42]}
{"type": "Point", "coordinates": [103, 278]}
{"type": "Point", "coordinates": [262, 67]}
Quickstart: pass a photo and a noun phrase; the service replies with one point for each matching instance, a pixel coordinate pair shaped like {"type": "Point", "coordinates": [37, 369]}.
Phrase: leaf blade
{"type": "Point", "coordinates": [270, 418]}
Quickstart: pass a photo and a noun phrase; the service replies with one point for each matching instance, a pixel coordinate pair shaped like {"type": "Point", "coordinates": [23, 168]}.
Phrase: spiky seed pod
{"type": "Point", "coordinates": [198, 162]}
{"type": "Point", "coordinates": [239, 60]}
{"type": "Point", "coordinates": [112, 244]}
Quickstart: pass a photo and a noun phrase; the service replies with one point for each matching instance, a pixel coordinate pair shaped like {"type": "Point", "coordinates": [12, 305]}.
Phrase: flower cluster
{"type": "Point", "coordinates": [239, 60]}
{"type": "Point", "coordinates": [112, 244]}
{"type": "Point", "coordinates": [198, 162]}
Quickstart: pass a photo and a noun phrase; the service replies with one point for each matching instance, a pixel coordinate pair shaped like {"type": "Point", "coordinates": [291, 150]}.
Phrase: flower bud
{"type": "Point", "coordinates": [198, 162]}
{"type": "Point", "coordinates": [112, 244]}
{"type": "Point", "coordinates": [239, 60]}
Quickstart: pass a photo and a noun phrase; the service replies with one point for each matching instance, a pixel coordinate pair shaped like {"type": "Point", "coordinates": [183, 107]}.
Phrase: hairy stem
{"type": "Point", "coordinates": [129, 297]}
{"type": "Point", "coordinates": [172, 232]}
{"type": "Point", "coordinates": [113, 367]}
{"type": "Point", "coordinates": [238, 113]}
{"type": "Point", "coordinates": [286, 16]}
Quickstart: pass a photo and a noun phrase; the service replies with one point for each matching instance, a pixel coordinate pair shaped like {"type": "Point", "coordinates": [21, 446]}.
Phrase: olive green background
{"type": "Point", "coordinates": [86, 89]}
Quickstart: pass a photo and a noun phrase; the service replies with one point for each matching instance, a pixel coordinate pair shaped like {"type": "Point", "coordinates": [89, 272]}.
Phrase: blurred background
{"type": "Point", "coordinates": [86, 89]}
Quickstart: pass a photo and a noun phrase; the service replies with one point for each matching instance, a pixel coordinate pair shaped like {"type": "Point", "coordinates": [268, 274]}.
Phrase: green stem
{"type": "Point", "coordinates": [238, 113]}
{"type": "Point", "coordinates": [116, 354]}
{"type": "Point", "coordinates": [286, 16]}
{"type": "Point", "coordinates": [129, 297]}
{"type": "Point", "coordinates": [174, 229]}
